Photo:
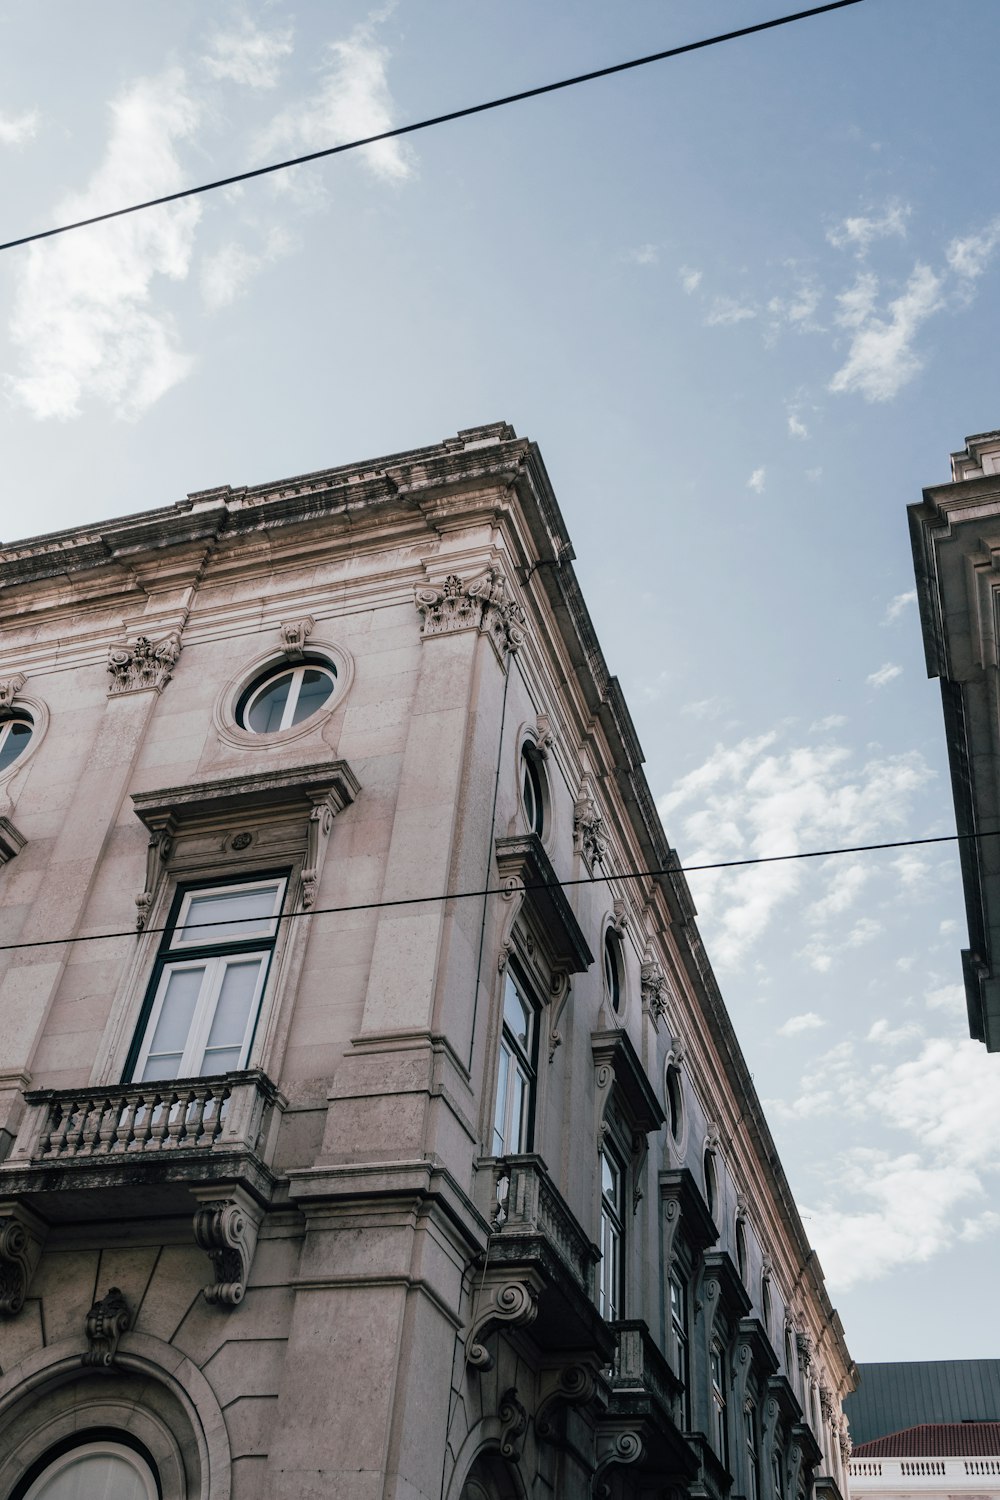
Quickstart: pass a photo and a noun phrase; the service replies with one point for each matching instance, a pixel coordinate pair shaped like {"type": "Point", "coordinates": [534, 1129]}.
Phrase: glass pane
{"type": "Point", "coordinates": [516, 1013]}
{"type": "Point", "coordinates": [264, 716]}
{"type": "Point", "coordinates": [173, 1026]}
{"type": "Point", "coordinates": [232, 1012]}
{"type": "Point", "coordinates": [97, 1476]}
{"type": "Point", "coordinates": [609, 1180]}
{"type": "Point", "coordinates": [517, 1112]}
{"type": "Point", "coordinates": [499, 1118]}
{"type": "Point", "coordinates": [13, 742]}
{"type": "Point", "coordinates": [315, 689]}
{"type": "Point", "coordinates": [235, 913]}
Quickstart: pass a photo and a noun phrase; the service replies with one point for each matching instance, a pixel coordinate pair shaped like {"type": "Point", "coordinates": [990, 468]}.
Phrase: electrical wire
{"type": "Point", "coordinates": [444, 119]}
{"type": "Point", "coordinates": [538, 885]}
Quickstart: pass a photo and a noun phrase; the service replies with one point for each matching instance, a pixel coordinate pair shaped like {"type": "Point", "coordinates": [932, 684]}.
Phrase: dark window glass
{"type": "Point", "coordinates": [15, 734]}
{"type": "Point", "coordinates": [286, 696]}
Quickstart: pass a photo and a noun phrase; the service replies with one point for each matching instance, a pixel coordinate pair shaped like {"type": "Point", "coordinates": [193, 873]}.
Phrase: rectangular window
{"type": "Point", "coordinates": [753, 1470]}
{"type": "Point", "coordinates": [205, 996]}
{"type": "Point", "coordinates": [611, 1237]}
{"type": "Point", "coordinates": [679, 1325]}
{"type": "Point", "coordinates": [719, 1404]}
{"type": "Point", "coordinates": [512, 1118]}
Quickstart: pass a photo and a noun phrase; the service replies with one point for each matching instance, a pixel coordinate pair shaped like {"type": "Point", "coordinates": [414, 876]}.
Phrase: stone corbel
{"type": "Point", "coordinates": [144, 664]}
{"type": "Point", "coordinates": [620, 920]}
{"type": "Point", "coordinates": [615, 1450]}
{"type": "Point", "coordinates": [161, 841]}
{"type": "Point", "coordinates": [640, 1150]}
{"type": "Point", "coordinates": [106, 1322]}
{"type": "Point", "coordinates": [294, 634]}
{"type": "Point", "coordinates": [318, 831]}
{"type": "Point", "coordinates": [502, 1302]}
{"type": "Point", "coordinates": [844, 1437]}
{"type": "Point", "coordinates": [558, 995]}
{"type": "Point", "coordinates": [568, 1385]}
{"type": "Point", "coordinates": [9, 689]}
{"type": "Point", "coordinates": [513, 894]}
{"type": "Point", "coordinates": [227, 1228]}
{"type": "Point", "coordinates": [545, 737]}
{"type": "Point", "coordinates": [485, 605]}
{"type": "Point", "coordinates": [513, 1425]}
{"type": "Point", "coordinates": [22, 1235]}
{"type": "Point", "coordinates": [826, 1403]}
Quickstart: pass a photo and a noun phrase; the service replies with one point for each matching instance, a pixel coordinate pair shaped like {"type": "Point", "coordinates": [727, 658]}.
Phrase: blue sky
{"type": "Point", "coordinates": [746, 301]}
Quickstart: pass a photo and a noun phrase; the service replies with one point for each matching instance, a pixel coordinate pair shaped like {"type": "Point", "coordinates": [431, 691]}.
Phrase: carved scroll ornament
{"type": "Point", "coordinates": [588, 828]}
{"type": "Point", "coordinates": [513, 1425]}
{"type": "Point", "coordinates": [144, 664]}
{"type": "Point", "coordinates": [569, 1385]}
{"type": "Point", "coordinates": [21, 1237]}
{"type": "Point", "coordinates": [9, 689]}
{"type": "Point", "coordinates": [227, 1229]}
{"type": "Point", "coordinates": [484, 605]}
{"type": "Point", "coordinates": [654, 988]}
{"type": "Point", "coordinates": [507, 1302]}
{"type": "Point", "coordinates": [106, 1322]}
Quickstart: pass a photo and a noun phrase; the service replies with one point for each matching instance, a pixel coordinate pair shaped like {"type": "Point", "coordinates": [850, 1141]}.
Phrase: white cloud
{"type": "Point", "coordinates": [690, 278]}
{"type": "Point", "coordinates": [814, 475]}
{"type": "Point", "coordinates": [15, 130]}
{"type": "Point", "coordinates": [859, 231]}
{"type": "Point", "coordinates": [856, 304]}
{"type": "Point", "coordinates": [886, 672]}
{"type": "Point", "coordinates": [881, 359]}
{"type": "Point", "coordinates": [799, 308]}
{"type": "Point", "coordinates": [353, 101]}
{"type": "Point", "coordinates": [644, 255]}
{"type": "Point", "coordinates": [864, 929]}
{"type": "Point", "coordinates": [795, 1025]}
{"type": "Point", "coordinates": [818, 956]}
{"type": "Point", "coordinates": [725, 311]}
{"type": "Point", "coordinates": [832, 721]}
{"type": "Point", "coordinates": [948, 926]}
{"type": "Point", "coordinates": [756, 481]}
{"type": "Point", "coordinates": [848, 877]}
{"type": "Point", "coordinates": [898, 606]}
{"type": "Point", "coordinates": [759, 798]}
{"type": "Point", "coordinates": [227, 272]}
{"type": "Point", "coordinates": [970, 256]}
{"type": "Point", "coordinates": [796, 427]}
{"type": "Point", "coordinates": [248, 56]}
{"type": "Point", "coordinates": [946, 997]}
{"type": "Point", "coordinates": [889, 1036]}
{"type": "Point", "coordinates": [704, 708]}
{"type": "Point", "coordinates": [83, 316]}
{"type": "Point", "coordinates": [978, 1228]}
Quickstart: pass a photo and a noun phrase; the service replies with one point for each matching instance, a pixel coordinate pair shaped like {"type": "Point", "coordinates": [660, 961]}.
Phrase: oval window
{"type": "Point", "coordinates": [15, 733]}
{"type": "Point", "coordinates": [710, 1190]}
{"type": "Point", "coordinates": [613, 970]}
{"type": "Point", "coordinates": [531, 792]}
{"type": "Point", "coordinates": [286, 697]}
{"type": "Point", "coordinates": [675, 1106]}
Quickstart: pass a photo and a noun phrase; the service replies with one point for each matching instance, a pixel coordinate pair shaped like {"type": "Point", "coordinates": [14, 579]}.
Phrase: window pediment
{"type": "Point", "coordinates": [683, 1201]}
{"type": "Point", "coordinates": [613, 1050]}
{"type": "Point", "coordinates": [522, 860]}
{"type": "Point", "coordinates": [733, 1297]}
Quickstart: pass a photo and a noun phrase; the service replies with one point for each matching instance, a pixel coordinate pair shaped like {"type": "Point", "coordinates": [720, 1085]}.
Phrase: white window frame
{"type": "Point", "coordinates": [297, 675]}
{"type": "Point", "coordinates": [214, 966]}
{"type": "Point", "coordinates": [6, 727]}
{"type": "Point", "coordinates": [682, 1342]}
{"type": "Point", "coordinates": [515, 1060]}
{"type": "Point", "coordinates": [612, 1282]}
{"type": "Point", "coordinates": [82, 1451]}
{"type": "Point", "coordinates": [717, 1370]}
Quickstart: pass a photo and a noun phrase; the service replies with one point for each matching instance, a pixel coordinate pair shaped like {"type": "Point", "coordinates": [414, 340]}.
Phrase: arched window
{"type": "Point", "coordinates": [15, 734]}
{"type": "Point", "coordinates": [103, 1470]}
{"type": "Point", "coordinates": [286, 696]}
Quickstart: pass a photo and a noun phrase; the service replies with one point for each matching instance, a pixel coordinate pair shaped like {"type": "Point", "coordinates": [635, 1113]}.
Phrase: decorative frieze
{"type": "Point", "coordinates": [485, 605]}
{"type": "Point", "coordinates": [9, 689]}
{"type": "Point", "coordinates": [144, 664]}
{"type": "Point", "coordinates": [294, 634]}
{"type": "Point", "coordinates": [106, 1322]}
{"type": "Point", "coordinates": [227, 1228]}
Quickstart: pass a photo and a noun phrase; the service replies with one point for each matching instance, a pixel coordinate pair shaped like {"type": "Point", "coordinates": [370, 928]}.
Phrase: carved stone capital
{"type": "Point", "coordinates": [513, 1425]}
{"type": "Point", "coordinates": [105, 1324]}
{"type": "Point", "coordinates": [588, 825]}
{"type": "Point", "coordinates": [501, 1302]}
{"type": "Point", "coordinates": [567, 1385]}
{"type": "Point", "coordinates": [485, 605]}
{"type": "Point", "coordinates": [844, 1437]}
{"type": "Point", "coordinates": [227, 1229]}
{"type": "Point", "coordinates": [804, 1345]}
{"type": "Point", "coordinates": [22, 1235]}
{"type": "Point", "coordinates": [294, 634]}
{"type": "Point", "coordinates": [826, 1403]}
{"type": "Point", "coordinates": [9, 689]}
{"type": "Point", "coordinates": [654, 988]}
{"type": "Point", "coordinates": [144, 664]}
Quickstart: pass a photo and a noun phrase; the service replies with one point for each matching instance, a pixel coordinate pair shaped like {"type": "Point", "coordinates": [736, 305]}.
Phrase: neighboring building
{"type": "Point", "coordinates": [951, 1461]}
{"type": "Point", "coordinates": [897, 1394]}
{"type": "Point", "coordinates": [326, 1173]}
{"type": "Point", "coordinates": [955, 532]}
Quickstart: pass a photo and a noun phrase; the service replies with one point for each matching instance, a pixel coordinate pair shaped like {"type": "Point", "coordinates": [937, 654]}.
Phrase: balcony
{"type": "Point", "coordinates": [644, 1395]}
{"type": "Point", "coordinates": [134, 1150]}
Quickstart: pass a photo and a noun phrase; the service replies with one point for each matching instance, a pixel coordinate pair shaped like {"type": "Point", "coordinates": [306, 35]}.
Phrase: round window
{"type": "Point", "coordinates": [613, 970]}
{"type": "Point", "coordinates": [15, 734]}
{"type": "Point", "coordinates": [531, 792]}
{"type": "Point", "coordinates": [675, 1106]}
{"type": "Point", "coordinates": [708, 1165]}
{"type": "Point", "coordinates": [110, 1470]}
{"type": "Point", "coordinates": [286, 696]}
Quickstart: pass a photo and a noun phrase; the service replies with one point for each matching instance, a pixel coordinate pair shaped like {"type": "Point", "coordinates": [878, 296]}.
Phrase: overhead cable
{"type": "Point", "coordinates": [444, 119]}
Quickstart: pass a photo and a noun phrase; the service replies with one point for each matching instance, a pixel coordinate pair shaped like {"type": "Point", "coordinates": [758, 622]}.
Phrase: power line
{"type": "Point", "coordinates": [538, 885]}
{"type": "Point", "coordinates": [454, 114]}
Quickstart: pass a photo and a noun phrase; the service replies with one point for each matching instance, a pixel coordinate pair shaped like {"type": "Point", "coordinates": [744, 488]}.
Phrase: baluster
{"type": "Point", "coordinates": [78, 1128]}
{"type": "Point", "coordinates": [109, 1123]}
{"type": "Point", "coordinates": [61, 1130]}
{"type": "Point", "coordinates": [196, 1116]}
{"type": "Point", "coordinates": [160, 1105]}
{"type": "Point", "coordinates": [46, 1144]}
{"type": "Point", "coordinates": [126, 1121]}
{"type": "Point", "coordinates": [178, 1114]}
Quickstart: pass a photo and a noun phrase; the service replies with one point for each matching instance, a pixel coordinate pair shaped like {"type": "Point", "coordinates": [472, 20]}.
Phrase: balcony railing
{"type": "Point", "coordinates": [524, 1201]}
{"type": "Point", "coordinates": [181, 1130]}
{"type": "Point", "coordinates": [954, 1474]}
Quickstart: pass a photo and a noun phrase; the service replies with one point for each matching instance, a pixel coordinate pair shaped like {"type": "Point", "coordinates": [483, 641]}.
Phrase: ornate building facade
{"type": "Point", "coordinates": [371, 1122]}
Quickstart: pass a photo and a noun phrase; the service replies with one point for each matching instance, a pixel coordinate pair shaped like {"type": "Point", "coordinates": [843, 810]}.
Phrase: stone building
{"type": "Point", "coordinates": [372, 1122]}
{"type": "Point", "coordinates": [955, 531]}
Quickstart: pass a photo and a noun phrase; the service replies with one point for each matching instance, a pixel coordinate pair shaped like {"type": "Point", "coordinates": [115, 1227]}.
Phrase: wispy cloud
{"type": "Point", "coordinates": [798, 308]}
{"type": "Point", "coordinates": [885, 1035]}
{"type": "Point", "coordinates": [644, 255]}
{"type": "Point", "coordinates": [968, 257]}
{"type": "Point", "coordinates": [860, 230]}
{"type": "Point", "coordinates": [704, 708]}
{"type": "Point", "coordinates": [83, 316]}
{"type": "Point", "coordinates": [886, 672]}
{"type": "Point", "coordinates": [247, 55]}
{"type": "Point", "coordinates": [898, 606]}
{"type": "Point", "coordinates": [946, 997]}
{"type": "Point", "coordinates": [690, 279]}
{"type": "Point", "coordinates": [881, 358]}
{"type": "Point", "coordinates": [725, 311]}
{"type": "Point", "coordinates": [227, 272]}
{"type": "Point", "coordinates": [16, 130]}
{"type": "Point", "coordinates": [795, 1025]}
{"type": "Point", "coordinates": [756, 481]}
{"type": "Point", "coordinates": [353, 100]}
{"type": "Point", "coordinates": [796, 427]}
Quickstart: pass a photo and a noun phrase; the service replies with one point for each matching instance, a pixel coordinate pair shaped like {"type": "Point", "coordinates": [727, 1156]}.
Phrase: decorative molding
{"type": "Point", "coordinates": [227, 1228]}
{"type": "Point", "coordinates": [9, 689]}
{"type": "Point", "coordinates": [804, 1347]}
{"type": "Point", "coordinates": [485, 605]}
{"type": "Point", "coordinates": [654, 988]}
{"type": "Point", "coordinates": [826, 1402]}
{"type": "Point", "coordinates": [22, 1235]}
{"type": "Point", "coordinates": [513, 1425]}
{"type": "Point", "coordinates": [143, 664]}
{"type": "Point", "coordinates": [12, 841]}
{"type": "Point", "coordinates": [545, 735]}
{"type": "Point", "coordinates": [619, 922]}
{"type": "Point", "coordinates": [501, 1302]}
{"type": "Point", "coordinates": [844, 1437]}
{"type": "Point", "coordinates": [294, 634]}
{"type": "Point", "coordinates": [568, 1385]}
{"type": "Point", "coordinates": [559, 994]}
{"type": "Point", "coordinates": [588, 825]}
{"type": "Point", "coordinates": [105, 1324]}
{"type": "Point", "coordinates": [617, 1062]}
{"type": "Point", "coordinates": [161, 842]}
{"type": "Point", "coordinates": [615, 1450]}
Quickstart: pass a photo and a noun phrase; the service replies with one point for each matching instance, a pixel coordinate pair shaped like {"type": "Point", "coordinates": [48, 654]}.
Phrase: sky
{"type": "Point", "coordinates": [746, 301]}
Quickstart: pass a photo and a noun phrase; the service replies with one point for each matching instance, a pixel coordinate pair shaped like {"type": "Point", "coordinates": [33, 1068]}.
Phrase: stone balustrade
{"type": "Point", "coordinates": [525, 1201]}
{"type": "Point", "coordinates": [951, 1475]}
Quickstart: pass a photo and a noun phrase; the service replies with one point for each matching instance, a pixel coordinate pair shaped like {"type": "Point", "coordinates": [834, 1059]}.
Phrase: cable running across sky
{"type": "Point", "coordinates": [443, 119]}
